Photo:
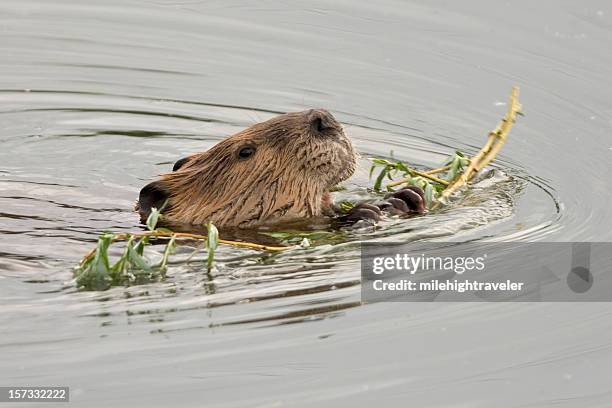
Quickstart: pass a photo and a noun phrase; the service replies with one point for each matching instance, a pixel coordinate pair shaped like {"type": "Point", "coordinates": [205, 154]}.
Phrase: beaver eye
{"type": "Point", "coordinates": [246, 152]}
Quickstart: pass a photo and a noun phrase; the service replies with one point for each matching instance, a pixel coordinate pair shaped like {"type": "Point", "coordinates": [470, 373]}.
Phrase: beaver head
{"type": "Point", "coordinates": [280, 169]}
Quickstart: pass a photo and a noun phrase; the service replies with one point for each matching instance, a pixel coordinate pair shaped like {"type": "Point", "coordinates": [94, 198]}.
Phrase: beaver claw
{"type": "Point", "coordinates": [408, 200]}
{"type": "Point", "coordinates": [363, 211]}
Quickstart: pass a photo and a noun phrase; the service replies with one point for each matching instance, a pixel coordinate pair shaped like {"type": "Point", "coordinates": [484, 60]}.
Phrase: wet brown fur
{"type": "Point", "coordinates": [298, 158]}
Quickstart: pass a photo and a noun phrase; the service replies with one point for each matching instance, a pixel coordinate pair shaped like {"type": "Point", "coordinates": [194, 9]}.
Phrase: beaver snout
{"type": "Point", "coordinates": [322, 122]}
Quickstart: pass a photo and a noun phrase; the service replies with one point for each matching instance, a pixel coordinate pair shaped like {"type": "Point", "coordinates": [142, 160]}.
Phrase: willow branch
{"type": "Point", "coordinates": [494, 143]}
{"type": "Point", "coordinates": [414, 172]}
{"type": "Point", "coordinates": [438, 170]}
{"type": "Point", "coordinates": [185, 235]}
{"type": "Point", "coordinates": [442, 169]}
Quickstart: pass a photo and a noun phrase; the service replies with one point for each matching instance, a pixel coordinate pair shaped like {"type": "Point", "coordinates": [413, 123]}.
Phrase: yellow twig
{"type": "Point", "coordinates": [442, 169]}
{"type": "Point", "coordinates": [494, 143]}
{"type": "Point", "coordinates": [185, 235]}
{"type": "Point", "coordinates": [169, 234]}
{"type": "Point", "coordinates": [438, 170]}
{"type": "Point", "coordinates": [418, 173]}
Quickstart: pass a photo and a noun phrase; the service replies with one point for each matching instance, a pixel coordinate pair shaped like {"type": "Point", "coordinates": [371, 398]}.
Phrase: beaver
{"type": "Point", "coordinates": [278, 170]}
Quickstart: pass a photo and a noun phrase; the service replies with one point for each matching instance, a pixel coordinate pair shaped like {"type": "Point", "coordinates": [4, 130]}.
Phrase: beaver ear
{"type": "Point", "coordinates": [153, 195]}
{"type": "Point", "coordinates": [180, 163]}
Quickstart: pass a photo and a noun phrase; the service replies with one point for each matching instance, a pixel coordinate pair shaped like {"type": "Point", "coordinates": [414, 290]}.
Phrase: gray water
{"type": "Point", "coordinates": [98, 97]}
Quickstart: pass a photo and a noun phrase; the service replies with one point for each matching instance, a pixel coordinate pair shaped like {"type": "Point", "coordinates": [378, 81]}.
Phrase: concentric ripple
{"type": "Point", "coordinates": [97, 98]}
{"type": "Point", "coordinates": [89, 154]}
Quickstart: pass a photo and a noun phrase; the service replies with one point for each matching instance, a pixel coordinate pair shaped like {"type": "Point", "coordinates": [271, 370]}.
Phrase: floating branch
{"type": "Point", "coordinates": [164, 233]}
{"type": "Point", "coordinates": [442, 169]}
{"type": "Point", "coordinates": [414, 173]}
{"type": "Point", "coordinates": [95, 271]}
{"type": "Point", "coordinates": [459, 169]}
{"type": "Point", "coordinates": [494, 143]}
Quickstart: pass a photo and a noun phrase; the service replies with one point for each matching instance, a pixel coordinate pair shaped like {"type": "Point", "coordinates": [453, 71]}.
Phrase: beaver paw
{"type": "Point", "coordinates": [412, 196]}
{"type": "Point", "coordinates": [408, 200]}
{"type": "Point", "coordinates": [361, 212]}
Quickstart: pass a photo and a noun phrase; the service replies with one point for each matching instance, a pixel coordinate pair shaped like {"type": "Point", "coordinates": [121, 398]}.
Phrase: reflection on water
{"type": "Point", "coordinates": [98, 98]}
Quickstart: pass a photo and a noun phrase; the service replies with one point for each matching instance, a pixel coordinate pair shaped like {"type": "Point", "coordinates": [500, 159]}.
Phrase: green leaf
{"type": "Point", "coordinates": [140, 245]}
{"type": "Point", "coordinates": [211, 243]}
{"type": "Point", "coordinates": [380, 178]}
{"type": "Point", "coordinates": [118, 272]}
{"type": "Point", "coordinates": [381, 162]}
{"type": "Point", "coordinates": [448, 161]}
{"type": "Point", "coordinates": [439, 188]}
{"type": "Point", "coordinates": [376, 163]}
{"type": "Point", "coordinates": [213, 236]}
{"type": "Point", "coordinates": [170, 248]}
{"type": "Point", "coordinates": [346, 206]}
{"type": "Point", "coordinates": [372, 168]}
{"type": "Point", "coordinates": [119, 268]}
{"type": "Point", "coordinates": [402, 167]}
{"type": "Point", "coordinates": [210, 259]}
{"type": "Point", "coordinates": [429, 193]}
{"type": "Point", "coordinates": [138, 260]}
{"type": "Point", "coordinates": [454, 170]}
{"type": "Point", "coordinates": [96, 274]}
{"type": "Point", "coordinates": [101, 257]}
{"type": "Point", "coordinates": [419, 181]}
{"type": "Point", "coordinates": [153, 218]}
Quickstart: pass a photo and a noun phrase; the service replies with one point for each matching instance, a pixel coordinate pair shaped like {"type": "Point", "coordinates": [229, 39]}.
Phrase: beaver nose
{"type": "Point", "coordinates": [321, 120]}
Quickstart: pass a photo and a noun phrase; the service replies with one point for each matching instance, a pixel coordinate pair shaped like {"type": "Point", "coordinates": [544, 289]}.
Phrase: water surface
{"type": "Point", "coordinates": [97, 98]}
